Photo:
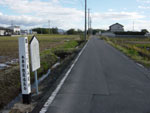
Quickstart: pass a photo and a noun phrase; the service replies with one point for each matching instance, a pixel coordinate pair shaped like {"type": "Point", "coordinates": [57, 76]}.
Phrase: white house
{"type": "Point", "coordinates": [16, 29]}
{"type": "Point", "coordinates": [2, 31]}
{"type": "Point", "coordinates": [24, 32]}
{"type": "Point", "coordinates": [147, 35]}
{"type": "Point", "coordinates": [116, 28]}
{"type": "Point", "coordinates": [5, 31]}
{"type": "Point", "coordinates": [61, 31]}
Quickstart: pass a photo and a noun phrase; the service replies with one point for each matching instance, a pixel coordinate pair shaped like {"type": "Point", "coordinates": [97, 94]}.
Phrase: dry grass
{"type": "Point", "coordinates": [10, 77]}
{"type": "Point", "coordinates": [9, 45]}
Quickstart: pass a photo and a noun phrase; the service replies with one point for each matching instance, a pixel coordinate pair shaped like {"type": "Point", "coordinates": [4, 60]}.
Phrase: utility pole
{"type": "Point", "coordinates": [85, 20]}
{"type": "Point", "coordinates": [91, 25]}
{"type": "Point", "coordinates": [133, 25]}
{"type": "Point", "coordinates": [41, 30]}
{"type": "Point", "coordinates": [12, 23]}
{"type": "Point", "coordinates": [88, 21]}
{"type": "Point", "coordinates": [49, 26]}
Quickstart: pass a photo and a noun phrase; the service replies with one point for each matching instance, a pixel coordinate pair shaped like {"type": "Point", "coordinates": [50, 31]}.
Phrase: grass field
{"type": "Point", "coordinates": [53, 48]}
{"type": "Point", "coordinates": [9, 45]}
{"type": "Point", "coordinates": [136, 48]}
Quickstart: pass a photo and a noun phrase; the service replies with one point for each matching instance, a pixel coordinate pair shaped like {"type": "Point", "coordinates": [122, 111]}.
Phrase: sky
{"type": "Point", "coordinates": [66, 14]}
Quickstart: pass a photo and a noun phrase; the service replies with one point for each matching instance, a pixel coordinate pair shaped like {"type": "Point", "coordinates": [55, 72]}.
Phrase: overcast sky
{"type": "Point", "coordinates": [67, 14]}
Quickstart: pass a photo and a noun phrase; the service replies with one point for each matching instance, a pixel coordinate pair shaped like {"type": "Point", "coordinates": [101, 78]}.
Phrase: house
{"type": "Point", "coordinates": [5, 31]}
{"type": "Point", "coordinates": [2, 31]}
{"type": "Point", "coordinates": [147, 35]}
{"type": "Point", "coordinates": [116, 28]}
{"type": "Point", "coordinates": [16, 30]}
{"type": "Point", "coordinates": [24, 32]}
{"type": "Point", "coordinates": [61, 31]}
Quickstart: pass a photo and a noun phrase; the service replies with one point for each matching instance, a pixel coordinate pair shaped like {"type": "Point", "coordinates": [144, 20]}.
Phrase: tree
{"type": "Point", "coordinates": [55, 30]}
{"type": "Point", "coordinates": [97, 31]}
{"type": "Point", "coordinates": [79, 31]}
{"type": "Point", "coordinates": [144, 31]}
{"type": "Point", "coordinates": [71, 32]}
{"type": "Point", "coordinates": [41, 30]}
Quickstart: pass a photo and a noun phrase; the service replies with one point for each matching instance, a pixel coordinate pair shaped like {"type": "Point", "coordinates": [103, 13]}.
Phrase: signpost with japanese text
{"type": "Point", "coordinates": [35, 58]}
{"type": "Point", "coordinates": [24, 70]}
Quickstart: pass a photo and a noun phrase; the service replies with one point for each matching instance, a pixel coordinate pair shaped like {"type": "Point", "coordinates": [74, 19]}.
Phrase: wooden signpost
{"type": "Point", "coordinates": [35, 58]}
{"type": "Point", "coordinates": [24, 70]}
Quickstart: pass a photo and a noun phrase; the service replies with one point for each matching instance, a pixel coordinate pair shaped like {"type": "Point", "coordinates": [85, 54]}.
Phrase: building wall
{"type": "Point", "coordinates": [108, 34]}
{"type": "Point", "coordinates": [116, 28]}
{"type": "Point", "coordinates": [17, 30]}
{"type": "Point", "coordinates": [2, 32]}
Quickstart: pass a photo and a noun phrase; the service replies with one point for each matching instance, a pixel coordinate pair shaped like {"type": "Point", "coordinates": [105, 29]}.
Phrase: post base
{"type": "Point", "coordinates": [26, 98]}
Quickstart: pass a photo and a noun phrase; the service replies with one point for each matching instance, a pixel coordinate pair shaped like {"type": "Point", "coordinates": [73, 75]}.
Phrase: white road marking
{"type": "Point", "coordinates": [140, 65]}
{"type": "Point", "coordinates": [53, 95]}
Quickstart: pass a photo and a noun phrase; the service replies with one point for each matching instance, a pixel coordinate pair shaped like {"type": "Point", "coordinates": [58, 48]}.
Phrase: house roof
{"type": "Point", "coordinates": [3, 28]}
{"type": "Point", "coordinates": [12, 27]}
{"type": "Point", "coordinates": [116, 24]}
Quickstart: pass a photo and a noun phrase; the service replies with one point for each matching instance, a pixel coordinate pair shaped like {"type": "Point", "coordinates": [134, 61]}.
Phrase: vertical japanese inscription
{"type": "Point", "coordinates": [24, 65]}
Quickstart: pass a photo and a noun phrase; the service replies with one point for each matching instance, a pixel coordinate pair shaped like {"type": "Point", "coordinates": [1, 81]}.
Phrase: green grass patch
{"type": "Point", "coordinates": [135, 50]}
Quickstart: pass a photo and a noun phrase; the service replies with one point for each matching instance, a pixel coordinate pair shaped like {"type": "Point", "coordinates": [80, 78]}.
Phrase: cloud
{"type": "Point", "coordinates": [143, 1]}
{"type": "Point", "coordinates": [105, 19]}
{"type": "Point", "coordinates": [117, 15]}
{"type": "Point", "coordinates": [73, 2]}
{"type": "Point", "coordinates": [32, 13]}
{"type": "Point", "coordinates": [143, 7]}
{"type": "Point", "coordinates": [36, 11]}
{"type": "Point", "coordinates": [138, 25]}
{"type": "Point", "coordinates": [20, 20]}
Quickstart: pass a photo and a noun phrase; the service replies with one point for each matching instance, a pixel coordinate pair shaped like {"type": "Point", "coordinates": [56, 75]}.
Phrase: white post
{"type": "Point", "coordinates": [35, 58]}
{"type": "Point", "coordinates": [36, 82]}
{"type": "Point", "coordinates": [24, 70]}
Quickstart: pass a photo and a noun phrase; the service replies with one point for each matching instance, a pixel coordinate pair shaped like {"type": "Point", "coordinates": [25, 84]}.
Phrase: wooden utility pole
{"type": "Point", "coordinates": [91, 25]}
{"type": "Point", "coordinates": [88, 21]}
{"type": "Point", "coordinates": [133, 25]}
{"type": "Point", "coordinates": [85, 20]}
{"type": "Point", "coordinates": [49, 26]}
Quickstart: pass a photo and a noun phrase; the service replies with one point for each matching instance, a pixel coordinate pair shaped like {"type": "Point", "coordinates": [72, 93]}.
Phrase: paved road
{"type": "Point", "coordinates": [104, 81]}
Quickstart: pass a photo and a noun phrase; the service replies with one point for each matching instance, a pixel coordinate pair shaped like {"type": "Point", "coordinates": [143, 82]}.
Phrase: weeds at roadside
{"type": "Point", "coordinates": [53, 49]}
{"type": "Point", "coordinates": [135, 48]}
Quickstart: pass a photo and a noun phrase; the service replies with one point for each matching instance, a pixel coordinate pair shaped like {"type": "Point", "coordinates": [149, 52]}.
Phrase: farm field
{"type": "Point", "coordinates": [53, 48]}
{"type": "Point", "coordinates": [137, 49]}
{"type": "Point", "coordinates": [9, 45]}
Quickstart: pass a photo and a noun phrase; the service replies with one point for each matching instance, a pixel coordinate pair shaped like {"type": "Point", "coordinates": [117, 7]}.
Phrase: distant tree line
{"type": "Point", "coordinates": [46, 30]}
{"type": "Point", "coordinates": [74, 32]}
{"type": "Point", "coordinates": [131, 33]}
{"type": "Point", "coordinates": [143, 32]}
{"type": "Point", "coordinates": [94, 31]}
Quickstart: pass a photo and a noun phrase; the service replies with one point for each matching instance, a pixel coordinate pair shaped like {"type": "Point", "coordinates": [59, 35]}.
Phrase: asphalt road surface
{"type": "Point", "coordinates": [104, 81]}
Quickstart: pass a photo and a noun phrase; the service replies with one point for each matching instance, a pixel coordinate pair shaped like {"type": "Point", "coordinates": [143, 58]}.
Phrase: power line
{"type": "Point", "coordinates": [82, 4]}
